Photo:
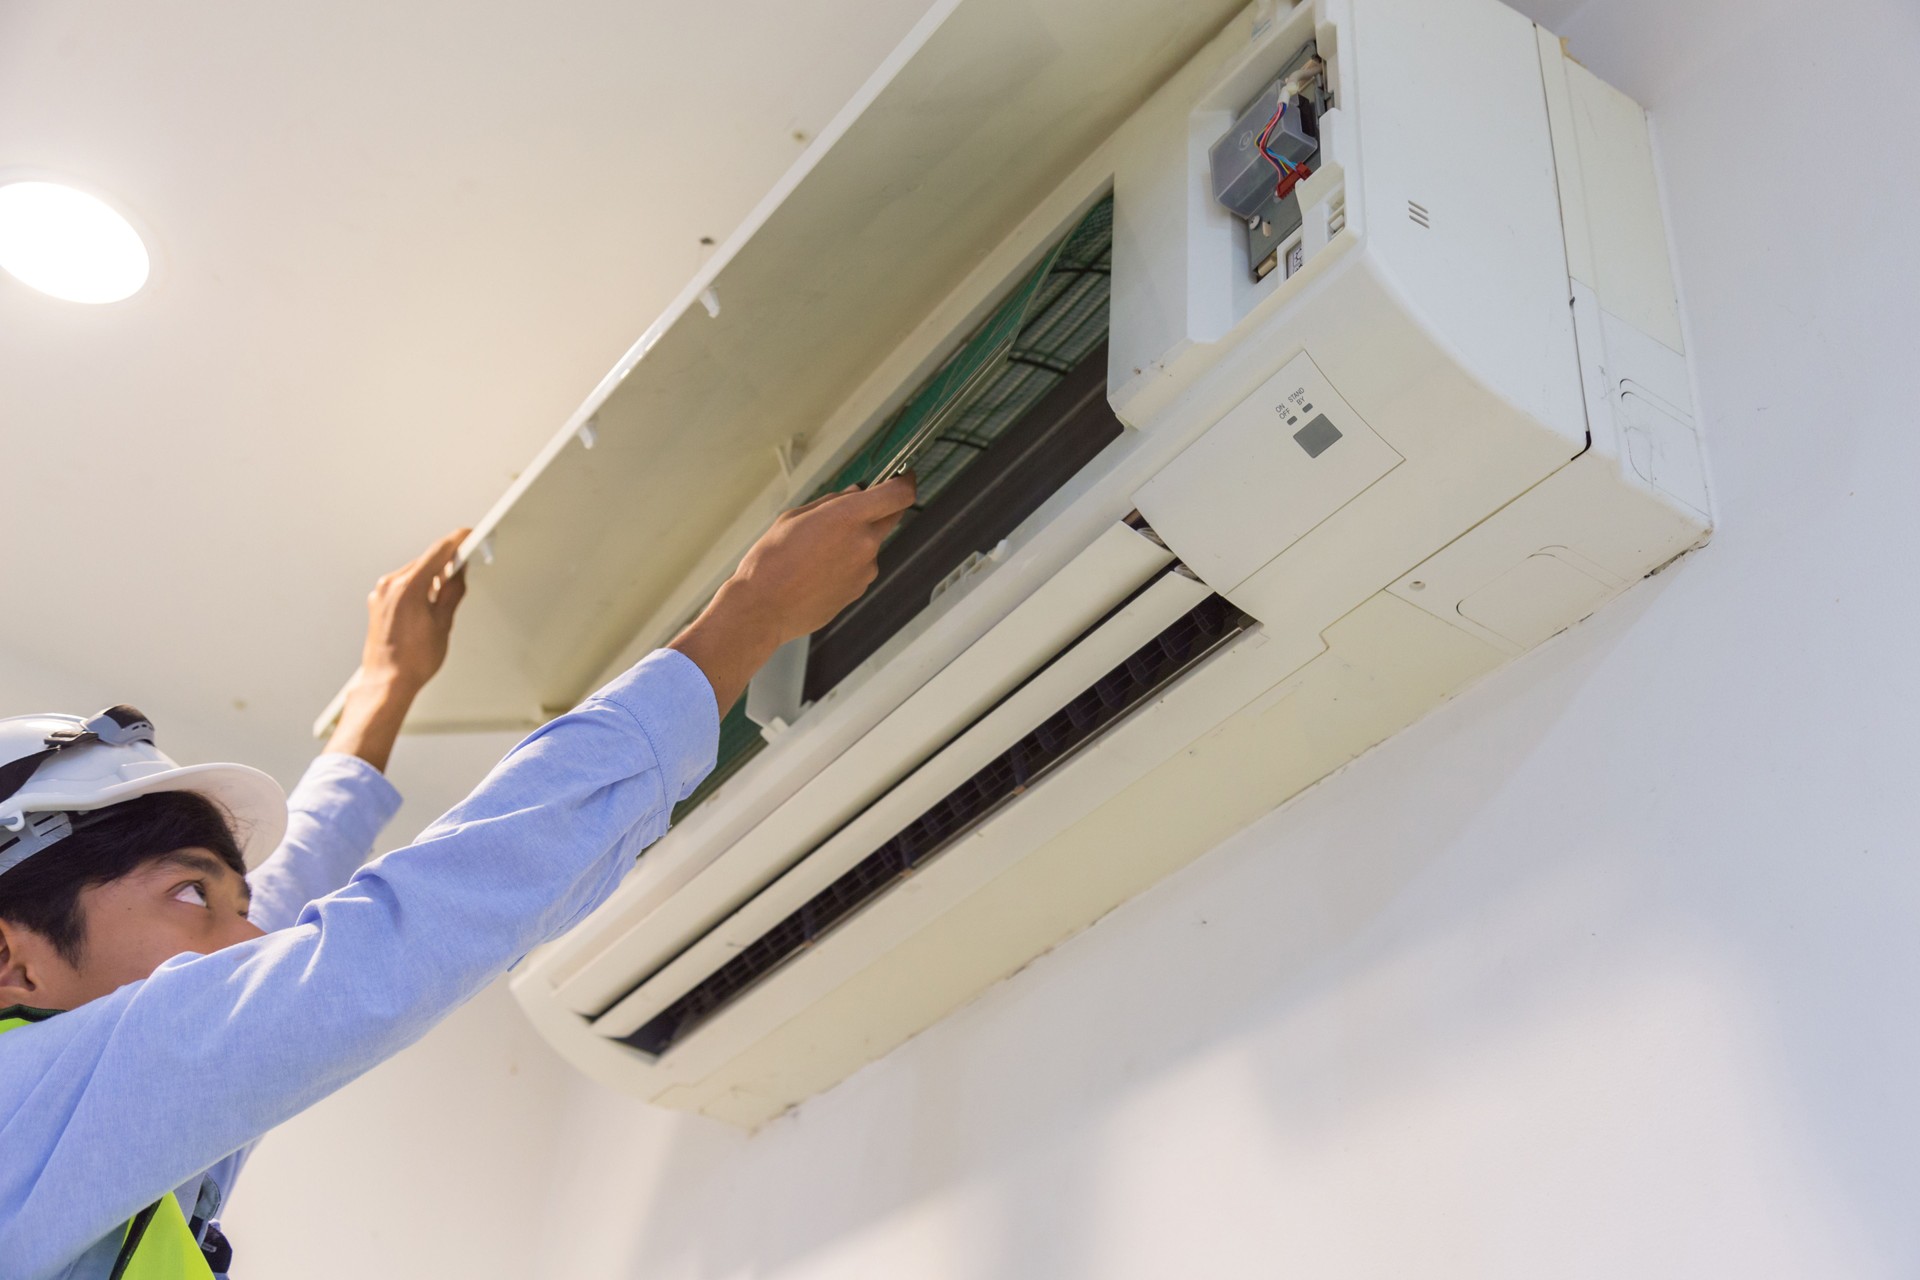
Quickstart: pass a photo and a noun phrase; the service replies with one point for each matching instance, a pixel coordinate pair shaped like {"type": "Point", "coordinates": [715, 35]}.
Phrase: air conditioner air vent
{"type": "Point", "coordinates": [1092, 712]}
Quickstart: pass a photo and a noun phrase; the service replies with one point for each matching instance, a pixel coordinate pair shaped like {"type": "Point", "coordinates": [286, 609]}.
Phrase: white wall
{"type": "Point", "coordinates": [1603, 970]}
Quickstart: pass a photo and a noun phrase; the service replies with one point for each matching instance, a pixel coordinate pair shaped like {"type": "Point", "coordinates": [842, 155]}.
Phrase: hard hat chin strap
{"type": "Point", "coordinates": [43, 829]}
{"type": "Point", "coordinates": [114, 727]}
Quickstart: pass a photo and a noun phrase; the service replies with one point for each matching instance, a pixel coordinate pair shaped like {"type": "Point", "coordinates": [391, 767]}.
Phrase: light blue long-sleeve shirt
{"type": "Point", "coordinates": [165, 1084]}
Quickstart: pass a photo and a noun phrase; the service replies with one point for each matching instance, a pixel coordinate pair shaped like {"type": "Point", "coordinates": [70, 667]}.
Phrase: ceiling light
{"type": "Point", "coordinates": [69, 244]}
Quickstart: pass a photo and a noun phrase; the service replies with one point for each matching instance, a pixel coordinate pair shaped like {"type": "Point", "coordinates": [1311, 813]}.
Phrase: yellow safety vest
{"type": "Point", "coordinates": [155, 1244]}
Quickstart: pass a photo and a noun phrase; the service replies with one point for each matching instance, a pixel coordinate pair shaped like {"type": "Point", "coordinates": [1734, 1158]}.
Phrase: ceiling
{"type": "Point", "coordinates": [395, 246]}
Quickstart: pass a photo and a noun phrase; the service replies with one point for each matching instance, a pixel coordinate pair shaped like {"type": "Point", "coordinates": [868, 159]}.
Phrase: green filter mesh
{"type": "Point", "coordinates": [1045, 327]}
{"type": "Point", "coordinates": [1055, 318]}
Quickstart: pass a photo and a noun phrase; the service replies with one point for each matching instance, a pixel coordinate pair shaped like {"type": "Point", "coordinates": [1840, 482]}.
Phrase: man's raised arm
{"type": "Point", "coordinates": [108, 1106]}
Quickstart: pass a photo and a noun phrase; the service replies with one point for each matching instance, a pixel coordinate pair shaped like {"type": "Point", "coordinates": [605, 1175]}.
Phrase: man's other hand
{"type": "Point", "coordinates": [409, 619]}
{"type": "Point", "coordinates": [410, 616]}
{"type": "Point", "coordinates": [815, 561]}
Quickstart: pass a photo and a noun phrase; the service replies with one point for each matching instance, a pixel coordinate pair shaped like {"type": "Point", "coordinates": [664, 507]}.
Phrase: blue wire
{"type": "Point", "coordinates": [1262, 141]}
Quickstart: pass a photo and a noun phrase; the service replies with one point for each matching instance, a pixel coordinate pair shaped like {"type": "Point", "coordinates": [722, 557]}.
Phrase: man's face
{"type": "Point", "coordinates": [187, 900]}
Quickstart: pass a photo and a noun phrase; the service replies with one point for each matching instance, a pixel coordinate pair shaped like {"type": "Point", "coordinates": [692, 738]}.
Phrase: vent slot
{"type": "Point", "coordinates": [1088, 715]}
{"type": "Point", "coordinates": [1418, 212]}
{"type": "Point", "coordinates": [1012, 477]}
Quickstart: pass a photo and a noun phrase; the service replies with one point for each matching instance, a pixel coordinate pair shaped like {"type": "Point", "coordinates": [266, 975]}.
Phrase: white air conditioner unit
{"type": "Point", "coordinates": [1219, 496]}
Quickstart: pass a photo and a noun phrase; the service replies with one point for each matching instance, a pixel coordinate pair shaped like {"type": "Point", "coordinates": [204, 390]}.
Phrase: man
{"type": "Point", "coordinates": [158, 1014]}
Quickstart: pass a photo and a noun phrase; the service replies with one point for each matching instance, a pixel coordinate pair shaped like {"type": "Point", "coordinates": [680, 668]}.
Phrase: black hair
{"type": "Point", "coordinates": [43, 892]}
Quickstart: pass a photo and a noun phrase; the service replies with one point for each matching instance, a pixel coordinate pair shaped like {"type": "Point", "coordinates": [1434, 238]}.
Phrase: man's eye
{"type": "Point", "coordinates": [190, 894]}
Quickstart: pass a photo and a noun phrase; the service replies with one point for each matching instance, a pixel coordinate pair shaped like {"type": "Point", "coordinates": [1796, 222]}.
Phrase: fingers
{"type": "Point", "coordinates": [885, 502]}
{"type": "Point", "coordinates": [823, 500]}
{"type": "Point", "coordinates": [441, 552]}
{"type": "Point", "coordinates": [419, 575]}
{"type": "Point", "coordinates": [449, 594]}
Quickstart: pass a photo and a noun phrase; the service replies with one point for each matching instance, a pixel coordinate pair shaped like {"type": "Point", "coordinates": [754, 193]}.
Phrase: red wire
{"type": "Point", "coordinates": [1279, 170]}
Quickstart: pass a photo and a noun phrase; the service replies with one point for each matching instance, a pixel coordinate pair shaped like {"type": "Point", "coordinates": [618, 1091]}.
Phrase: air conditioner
{"type": "Point", "coordinates": [1273, 376]}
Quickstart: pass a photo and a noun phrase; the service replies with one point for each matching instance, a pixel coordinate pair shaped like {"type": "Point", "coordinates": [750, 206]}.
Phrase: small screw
{"type": "Point", "coordinates": [1416, 585]}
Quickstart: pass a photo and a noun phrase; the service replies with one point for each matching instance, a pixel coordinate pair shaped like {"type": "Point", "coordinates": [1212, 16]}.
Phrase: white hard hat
{"type": "Point", "coordinates": [54, 768]}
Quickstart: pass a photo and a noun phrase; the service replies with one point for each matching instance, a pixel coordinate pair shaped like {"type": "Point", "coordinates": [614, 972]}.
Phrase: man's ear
{"type": "Point", "coordinates": [20, 949]}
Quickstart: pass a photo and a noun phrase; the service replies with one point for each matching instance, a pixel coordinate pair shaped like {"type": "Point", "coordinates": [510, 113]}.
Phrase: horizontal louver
{"type": "Point", "coordinates": [1145, 671]}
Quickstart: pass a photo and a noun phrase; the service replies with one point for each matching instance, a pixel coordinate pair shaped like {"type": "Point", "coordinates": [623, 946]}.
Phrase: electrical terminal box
{"type": "Point", "coordinates": [1273, 143]}
{"type": "Point", "coordinates": [1244, 179]}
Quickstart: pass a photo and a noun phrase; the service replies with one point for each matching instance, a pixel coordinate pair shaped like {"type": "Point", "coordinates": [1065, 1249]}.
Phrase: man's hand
{"type": "Point", "coordinates": [409, 617]}
{"type": "Point", "coordinates": [814, 562]}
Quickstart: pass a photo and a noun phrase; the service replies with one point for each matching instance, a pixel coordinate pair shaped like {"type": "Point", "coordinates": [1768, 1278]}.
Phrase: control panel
{"type": "Point", "coordinates": [1256, 482]}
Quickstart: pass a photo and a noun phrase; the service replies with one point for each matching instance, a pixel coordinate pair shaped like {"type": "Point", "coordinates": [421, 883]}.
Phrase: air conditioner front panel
{"type": "Point", "coordinates": [1158, 605]}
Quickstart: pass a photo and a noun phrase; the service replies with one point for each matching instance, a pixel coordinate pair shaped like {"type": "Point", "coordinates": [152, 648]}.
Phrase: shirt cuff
{"type": "Point", "coordinates": [351, 797]}
{"type": "Point", "coordinates": [674, 704]}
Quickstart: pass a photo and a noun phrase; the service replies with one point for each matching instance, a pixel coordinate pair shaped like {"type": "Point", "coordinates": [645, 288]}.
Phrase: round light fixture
{"type": "Point", "coordinates": [69, 244]}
